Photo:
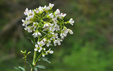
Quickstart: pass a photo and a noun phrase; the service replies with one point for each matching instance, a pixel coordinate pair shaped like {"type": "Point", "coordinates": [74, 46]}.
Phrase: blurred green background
{"type": "Point", "coordinates": [90, 48]}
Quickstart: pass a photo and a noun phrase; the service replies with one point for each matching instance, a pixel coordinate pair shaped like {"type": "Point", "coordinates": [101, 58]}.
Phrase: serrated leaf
{"type": "Point", "coordinates": [29, 64]}
{"type": "Point", "coordinates": [35, 69]}
{"type": "Point", "coordinates": [40, 66]}
{"type": "Point", "coordinates": [45, 59]}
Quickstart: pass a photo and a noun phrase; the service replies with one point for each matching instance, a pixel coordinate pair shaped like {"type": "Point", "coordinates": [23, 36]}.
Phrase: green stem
{"type": "Point", "coordinates": [34, 57]}
{"type": "Point", "coordinates": [25, 64]}
{"type": "Point", "coordinates": [38, 58]}
{"type": "Point", "coordinates": [31, 69]}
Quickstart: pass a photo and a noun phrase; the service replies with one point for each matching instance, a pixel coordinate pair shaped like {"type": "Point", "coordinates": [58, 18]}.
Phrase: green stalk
{"type": "Point", "coordinates": [38, 58]}
{"type": "Point", "coordinates": [34, 58]}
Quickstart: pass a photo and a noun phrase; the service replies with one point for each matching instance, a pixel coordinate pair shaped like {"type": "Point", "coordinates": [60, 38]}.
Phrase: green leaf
{"type": "Point", "coordinates": [31, 40]}
{"type": "Point", "coordinates": [19, 68]}
{"type": "Point", "coordinates": [40, 66]}
{"type": "Point", "coordinates": [35, 69]}
{"type": "Point", "coordinates": [44, 59]}
{"type": "Point", "coordinates": [29, 64]}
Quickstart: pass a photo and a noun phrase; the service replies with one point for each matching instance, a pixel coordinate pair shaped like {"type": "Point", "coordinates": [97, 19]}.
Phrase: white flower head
{"type": "Point", "coordinates": [51, 5]}
{"type": "Point", "coordinates": [26, 11]}
{"type": "Point", "coordinates": [51, 15]}
{"type": "Point", "coordinates": [37, 48]}
{"type": "Point", "coordinates": [47, 27]}
{"type": "Point", "coordinates": [46, 8]}
{"type": "Point", "coordinates": [70, 31]}
{"type": "Point", "coordinates": [57, 12]}
{"type": "Point", "coordinates": [36, 34]}
{"type": "Point", "coordinates": [71, 21]}
{"type": "Point", "coordinates": [40, 9]}
{"type": "Point", "coordinates": [49, 51]}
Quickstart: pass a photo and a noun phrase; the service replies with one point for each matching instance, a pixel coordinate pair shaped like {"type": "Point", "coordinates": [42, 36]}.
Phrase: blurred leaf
{"type": "Point", "coordinates": [29, 64]}
{"type": "Point", "coordinates": [40, 66]}
{"type": "Point", "coordinates": [19, 68]}
{"type": "Point", "coordinates": [35, 69]}
{"type": "Point", "coordinates": [44, 59]}
{"type": "Point", "coordinates": [31, 40]}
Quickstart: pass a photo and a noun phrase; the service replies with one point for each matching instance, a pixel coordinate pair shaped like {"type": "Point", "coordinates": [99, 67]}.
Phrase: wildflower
{"type": "Point", "coordinates": [70, 31]}
{"type": "Point", "coordinates": [47, 25]}
{"type": "Point", "coordinates": [71, 21]}
{"type": "Point", "coordinates": [57, 12]}
{"type": "Point", "coordinates": [51, 5]}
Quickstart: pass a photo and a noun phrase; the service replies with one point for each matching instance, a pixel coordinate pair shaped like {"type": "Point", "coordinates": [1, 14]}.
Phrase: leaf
{"type": "Point", "coordinates": [40, 66]}
{"type": "Point", "coordinates": [31, 40]}
{"type": "Point", "coordinates": [19, 68]}
{"type": "Point", "coordinates": [22, 68]}
{"type": "Point", "coordinates": [35, 69]}
{"type": "Point", "coordinates": [44, 59]}
{"type": "Point", "coordinates": [29, 64]}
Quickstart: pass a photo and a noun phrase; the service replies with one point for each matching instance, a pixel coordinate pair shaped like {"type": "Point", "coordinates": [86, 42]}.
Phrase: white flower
{"type": "Point", "coordinates": [49, 51]}
{"type": "Point", "coordinates": [41, 43]}
{"type": "Point", "coordinates": [51, 15]}
{"type": "Point", "coordinates": [55, 42]}
{"type": "Point", "coordinates": [30, 14]}
{"type": "Point", "coordinates": [59, 41]}
{"type": "Point", "coordinates": [48, 43]}
{"type": "Point", "coordinates": [43, 55]}
{"type": "Point", "coordinates": [35, 24]}
{"type": "Point", "coordinates": [26, 11]}
{"type": "Point", "coordinates": [40, 9]}
{"type": "Point", "coordinates": [25, 22]}
{"type": "Point", "coordinates": [29, 29]}
{"type": "Point", "coordinates": [36, 34]}
{"type": "Point", "coordinates": [71, 21]}
{"type": "Point", "coordinates": [44, 40]}
{"type": "Point", "coordinates": [46, 25]}
{"type": "Point", "coordinates": [57, 27]}
{"type": "Point", "coordinates": [57, 12]}
{"type": "Point", "coordinates": [51, 5]}
{"type": "Point", "coordinates": [35, 49]}
{"type": "Point", "coordinates": [70, 31]}
{"type": "Point", "coordinates": [55, 20]}
{"type": "Point", "coordinates": [36, 10]}
{"type": "Point", "coordinates": [38, 48]}
{"type": "Point", "coordinates": [63, 15]}
{"type": "Point", "coordinates": [46, 8]}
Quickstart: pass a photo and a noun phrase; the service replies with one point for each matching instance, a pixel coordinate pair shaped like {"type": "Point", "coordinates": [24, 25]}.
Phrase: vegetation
{"type": "Point", "coordinates": [90, 48]}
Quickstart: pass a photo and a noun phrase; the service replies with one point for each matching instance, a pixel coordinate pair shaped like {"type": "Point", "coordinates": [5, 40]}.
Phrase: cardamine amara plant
{"type": "Point", "coordinates": [47, 28]}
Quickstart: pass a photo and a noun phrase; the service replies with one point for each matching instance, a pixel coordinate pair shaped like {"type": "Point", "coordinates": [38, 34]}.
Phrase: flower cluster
{"type": "Point", "coordinates": [46, 25]}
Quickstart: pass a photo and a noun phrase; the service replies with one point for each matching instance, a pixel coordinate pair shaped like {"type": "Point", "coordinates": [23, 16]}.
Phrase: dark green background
{"type": "Point", "coordinates": [90, 48]}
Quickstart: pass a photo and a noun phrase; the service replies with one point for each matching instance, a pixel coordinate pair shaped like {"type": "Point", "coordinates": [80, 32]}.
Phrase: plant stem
{"type": "Point", "coordinates": [34, 58]}
{"type": "Point", "coordinates": [31, 69]}
{"type": "Point", "coordinates": [38, 58]}
{"type": "Point", "coordinates": [25, 64]}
